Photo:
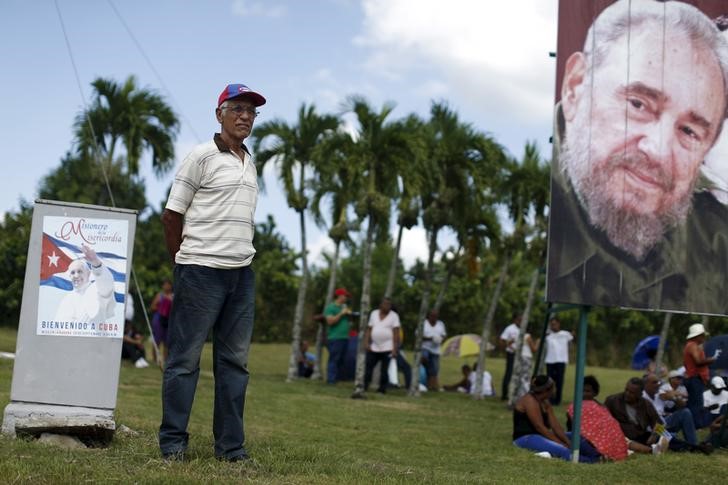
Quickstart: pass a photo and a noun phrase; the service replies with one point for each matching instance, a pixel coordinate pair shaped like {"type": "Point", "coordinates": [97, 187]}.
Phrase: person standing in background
{"type": "Point", "coordinates": [696, 372]}
{"type": "Point", "coordinates": [381, 341]}
{"type": "Point", "coordinates": [337, 332]}
{"type": "Point", "coordinates": [557, 356]}
{"type": "Point", "coordinates": [161, 308]}
{"type": "Point", "coordinates": [508, 339]}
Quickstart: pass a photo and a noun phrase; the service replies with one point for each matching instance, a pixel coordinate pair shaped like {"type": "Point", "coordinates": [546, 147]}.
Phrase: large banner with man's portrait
{"type": "Point", "coordinates": [639, 181]}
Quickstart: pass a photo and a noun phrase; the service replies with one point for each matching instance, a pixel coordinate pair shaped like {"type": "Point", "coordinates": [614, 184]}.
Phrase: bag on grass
{"type": "Point", "coordinates": [392, 372]}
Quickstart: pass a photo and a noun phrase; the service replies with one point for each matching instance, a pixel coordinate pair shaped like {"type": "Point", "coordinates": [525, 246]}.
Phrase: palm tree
{"type": "Point", "coordinates": [520, 378]}
{"type": "Point", "coordinates": [78, 180]}
{"type": "Point", "coordinates": [524, 188]}
{"type": "Point", "coordinates": [377, 149]}
{"type": "Point", "coordinates": [528, 191]}
{"type": "Point", "coordinates": [407, 214]}
{"type": "Point", "coordinates": [457, 192]}
{"type": "Point", "coordinates": [488, 326]}
{"type": "Point", "coordinates": [292, 148]}
{"type": "Point", "coordinates": [411, 180]}
{"type": "Point", "coordinates": [138, 118]}
{"type": "Point", "coordinates": [527, 187]}
{"type": "Point", "coordinates": [450, 261]}
{"type": "Point", "coordinates": [335, 180]}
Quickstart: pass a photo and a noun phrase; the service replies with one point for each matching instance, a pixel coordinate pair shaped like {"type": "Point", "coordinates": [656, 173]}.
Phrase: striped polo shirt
{"type": "Point", "coordinates": [217, 194]}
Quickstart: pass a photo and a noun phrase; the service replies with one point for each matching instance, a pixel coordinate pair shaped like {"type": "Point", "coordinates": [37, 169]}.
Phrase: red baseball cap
{"type": "Point", "coordinates": [341, 291]}
{"type": "Point", "coordinates": [239, 90]}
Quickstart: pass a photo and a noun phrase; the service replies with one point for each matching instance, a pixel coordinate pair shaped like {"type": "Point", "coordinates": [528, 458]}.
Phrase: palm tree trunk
{"type": "Point", "coordinates": [300, 302]}
{"type": "Point", "coordinates": [521, 369]}
{"type": "Point", "coordinates": [487, 327]}
{"type": "Point", "coordinates": [364, 312]}
{"type": "Point", "coordinates": [317, 374]}
{"type": "Point", "coordinates": [445, 283]}
{"type": "Point", "coordinates": [414, 389]}
{"type": "Point", "coordinates": [661, 344]}
{"type": "Point", "coordinates": [393, 265]}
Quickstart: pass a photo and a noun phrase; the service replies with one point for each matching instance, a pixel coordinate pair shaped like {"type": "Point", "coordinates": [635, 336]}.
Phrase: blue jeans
{"type": "Point", "coordinates": [432, 363]}
{"type": "Point", "coordinates": [556, 372]}
{"type": "Point", "coordinates": [222, 300]}
{"type": "Point", "coordinates": [405, 368]}
{"type": "Point", "coordinates": [695, 388]}
{"type": "Point", "coordinates": [538, 443]}
{"type": "Point", "coordinates": [510, 358]}
{"type": "Point", "coordinates": [337, 355]}
{"type": "Point", "coordinates": [682, 420]}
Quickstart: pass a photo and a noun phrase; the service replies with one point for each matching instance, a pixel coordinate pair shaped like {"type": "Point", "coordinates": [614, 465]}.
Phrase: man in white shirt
{"type": "Point", "coordinates": [557, 356]}
{"type": "Point", "coordinates": [209, 227]}
{"type": "Point", "coordinates": [673, 392]}
{"type": "Point", "coordinates": [508, 339]}
{"type": "Point", "coordinates": [680, 419]}
{"type": "Point", "coordinates": [716, 397]}
{"type": "Point", "coordinates": [381, 341]}
{"type": "Point", "coordinates": [432, 336]}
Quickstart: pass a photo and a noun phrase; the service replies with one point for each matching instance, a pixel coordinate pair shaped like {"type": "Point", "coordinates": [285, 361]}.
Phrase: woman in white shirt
{"type": "Point", "coordinates": [381, 341]}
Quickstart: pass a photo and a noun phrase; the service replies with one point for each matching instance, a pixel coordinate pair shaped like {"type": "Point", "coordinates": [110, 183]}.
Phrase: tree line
{"type": "Point", "coordinates": [358, 175]}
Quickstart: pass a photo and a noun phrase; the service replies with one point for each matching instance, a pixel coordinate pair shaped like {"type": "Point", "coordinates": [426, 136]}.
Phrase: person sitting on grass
{"type": "Point", "coordinates": [676, 420]}
{"type": "Point", "coordinates": [602, 430]}
{"type": "Point", "coordinates": [306, 360]}
{"type": "Point", "coordinates": [486, 388]}
{"type": "Point", "coordinates": [463, 385]}
{"type": "Point", "coordinates": [715, 398]}
{"type": "Point", "coordinates": [639, 420]}
{"type": "Point", "coordinates": [132, 346]}
{"type": "Point", "coordinates": [673, 392]}
{"type": "Point", "coordinates": [536, 428]}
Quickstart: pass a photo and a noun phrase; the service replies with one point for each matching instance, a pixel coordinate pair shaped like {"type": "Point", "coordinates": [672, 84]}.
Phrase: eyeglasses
{"type": "Point", "coordinates": [239, 110]}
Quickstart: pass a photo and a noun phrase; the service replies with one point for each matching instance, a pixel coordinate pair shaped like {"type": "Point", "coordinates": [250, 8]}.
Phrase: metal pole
{"type": "Point", "coordinates": [579, 384]}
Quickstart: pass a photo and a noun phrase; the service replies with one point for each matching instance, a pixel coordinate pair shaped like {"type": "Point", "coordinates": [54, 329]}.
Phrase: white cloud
{"type": "Point", "coordinates": [414, 246]}
{"type": "Point", "coordinates": [244, 8]}
{"type": "Point", "coordinates": [494, 54]}
{"type": "Point", "coordinates": [433, 89]}
{"type": "Point", "coordinates": [316, 249]}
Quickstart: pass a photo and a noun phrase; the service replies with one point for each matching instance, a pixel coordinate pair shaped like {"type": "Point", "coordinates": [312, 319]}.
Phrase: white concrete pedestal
{"type": "Point", "coordinates": [34, 419]}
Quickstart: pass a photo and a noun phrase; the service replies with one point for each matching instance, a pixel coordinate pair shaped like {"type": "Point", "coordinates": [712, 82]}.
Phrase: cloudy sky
{"type": "Point", "coordinates": [488, 59]}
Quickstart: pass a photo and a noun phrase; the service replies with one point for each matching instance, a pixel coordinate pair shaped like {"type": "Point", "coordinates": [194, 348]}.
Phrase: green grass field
{"type": "Point", "coordinates": [307, 432]}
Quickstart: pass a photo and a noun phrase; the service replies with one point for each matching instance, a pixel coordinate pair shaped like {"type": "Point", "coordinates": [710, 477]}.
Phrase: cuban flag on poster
{"type": "Point", "coordinates": [83, 283]}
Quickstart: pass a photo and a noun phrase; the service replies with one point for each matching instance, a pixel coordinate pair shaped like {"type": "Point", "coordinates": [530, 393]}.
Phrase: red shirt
{"type": "Point", "coordinates": [692, 369]}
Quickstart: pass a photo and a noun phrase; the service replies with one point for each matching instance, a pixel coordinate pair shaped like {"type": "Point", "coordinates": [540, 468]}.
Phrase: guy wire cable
{"type": "Point", "coordinates": [85, 105]}
{"type": "Point", "coordinates": [103, 170]}
{"type": "Point", "coordinates": [154, 70]}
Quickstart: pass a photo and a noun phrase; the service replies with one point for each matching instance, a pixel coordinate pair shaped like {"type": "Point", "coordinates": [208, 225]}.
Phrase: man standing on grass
{"type": "Point", "coordinates": [557, 356]}
{"type": "Point", "coordinates": [508, 339]}
{"type": "Point", "coordinates": [208, 227]}
{"type": "Point", "coordinates": [696, 371]}
{"type": "Point", "coordinates": [337, 316]}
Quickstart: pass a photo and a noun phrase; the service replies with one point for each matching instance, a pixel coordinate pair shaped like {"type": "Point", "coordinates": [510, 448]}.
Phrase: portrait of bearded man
{"type": "Point", "coordinates": [632, 222]}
